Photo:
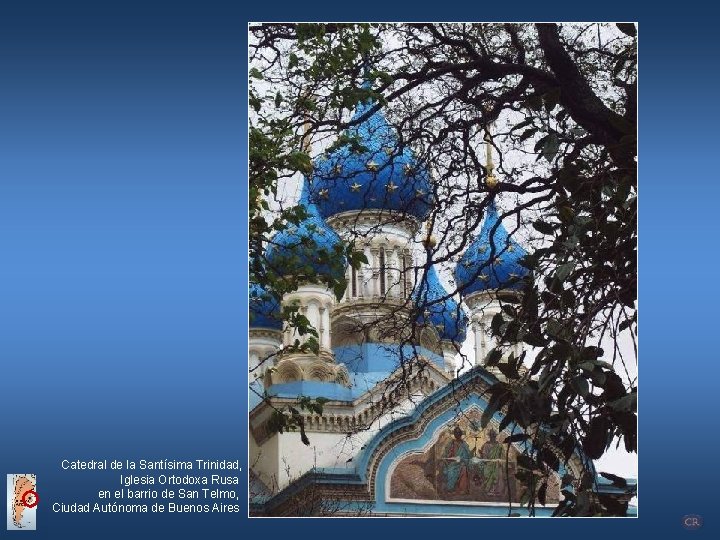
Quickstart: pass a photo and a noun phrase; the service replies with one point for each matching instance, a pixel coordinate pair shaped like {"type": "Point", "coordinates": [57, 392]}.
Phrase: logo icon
{"type": "Point", "coordinates": [22, 500]}
{"type": "Point", "coordinates": [692, 521]}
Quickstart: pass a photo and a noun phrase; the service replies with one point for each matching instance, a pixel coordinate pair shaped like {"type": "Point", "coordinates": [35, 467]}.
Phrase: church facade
{"type": "Point", "coordinates": [401, 432]}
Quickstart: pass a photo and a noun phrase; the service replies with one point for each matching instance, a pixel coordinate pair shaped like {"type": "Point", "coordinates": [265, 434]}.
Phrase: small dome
{"type": "Point", "coordinates": [478, 272]}
{"type": "Point", "coordinates": [382, 176]}
{"type": "Point", "coordinates": [446, 316]}
{"type": "Point", "coordinates": [264, 309]}
{"type": "Point", "coordinates": [311, 248]}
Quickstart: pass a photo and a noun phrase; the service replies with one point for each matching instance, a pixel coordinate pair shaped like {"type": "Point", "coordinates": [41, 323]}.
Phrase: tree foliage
{"type": "Point", "coordinates": [558, 105]}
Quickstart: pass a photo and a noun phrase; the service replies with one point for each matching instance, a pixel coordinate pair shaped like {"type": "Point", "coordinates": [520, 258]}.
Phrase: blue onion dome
{"type": "Point", "coordinates": [475, 269]}
{"type": "Point", "coordinates": [446, 315]}
{"type": "Point", "coordinates": [264, 309]}
{"type": "Point", "coordinates": [310, 249]}
{"type": "Point", "coordinates": [371, 171]}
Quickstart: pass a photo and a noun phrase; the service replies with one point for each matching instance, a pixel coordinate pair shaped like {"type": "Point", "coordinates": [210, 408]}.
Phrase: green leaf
{"type": "Point", "coordinates": [618, 481]}
{"type": "Point", "coordinates": [496, 323]}
{"type": "Point", "coordinates": [255, 73]}
{"type": "Point", "coordinates": [493, 357]}
{"type": "Point", "coordinates": [542, 493]}
{"type": "Point", "coordinates": [517, 437]}
{"type": "Point", "coordinates": [596, 439]}
{"type": "Point", "coordinates": [626, 403]}
{"type": "Point", "coordinates": [550, 147]}
{"type": "Point", "coordinates": [540, 143]}
{"type": "Point", "coordinates": [555, 329]}
{"type": "Point", "coordinates": [534, 340]}
{"type": "Point", "coordinates": [496, 402]}
{"type": "Point", "coordinates": [303, 435]}
{"type": "Point", "coordinates": [509, 370]}
{"type": "Point", "coordinates": [527, 134]}
{"type": "Point", "coordinates": [580, 385]}
{"type": "Point", "coordinates": [543, 227]}
{"type": "Point", "coordinates": [564, 270]}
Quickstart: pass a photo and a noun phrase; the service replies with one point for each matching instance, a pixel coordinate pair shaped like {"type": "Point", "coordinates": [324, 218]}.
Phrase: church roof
{"type": "Point", "coordinates": [445, 315]}
{"type": "Point", "coordinates": [311, 248]}
{"type": "Point", "coordinates": [492, 261]}
{"type": "Point", "coordinates": [379, 174]}
{"type": "Point", "coordinates": [404, 442]}
{"type": "Point", "coordinates": [264, 309]}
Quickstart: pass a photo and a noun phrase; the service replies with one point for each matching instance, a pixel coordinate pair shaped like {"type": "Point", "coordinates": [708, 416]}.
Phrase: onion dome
{"type": "Point", "coordinates": [264, 309]}
{"type": "Point", "coordinates": [371, 171]}
{"type": "Point", "coordinates": [491, 266]}
{"type": "Point", "coordinates": [448, 318]}
{"type": "Point", "coordinates": [310, 249]}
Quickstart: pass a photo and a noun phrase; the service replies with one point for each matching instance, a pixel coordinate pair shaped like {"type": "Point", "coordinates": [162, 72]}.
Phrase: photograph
{"type": "Point", "coordinates": [442, 284]}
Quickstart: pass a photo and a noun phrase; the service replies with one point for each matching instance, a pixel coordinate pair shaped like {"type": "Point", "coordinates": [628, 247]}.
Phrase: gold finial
{"type": "Point", "coordinates": [490, 181]}
{"type": "Point", "coordinates": [429, 241]}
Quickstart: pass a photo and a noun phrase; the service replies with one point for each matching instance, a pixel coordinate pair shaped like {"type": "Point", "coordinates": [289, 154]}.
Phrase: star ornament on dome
{"type": "Point", "coordinates": [391, 187]}
{"type": "Point", "coordinates": [420, 192]}
{"type": "Point", "coordinates": [355, 187]}
{"type": "Point", "coordinates": [484, 277]}
{"type": "Point", "coordinates": [324, 193]}
{"type": "Point", "coordinates": [372, 166]}
{"type": "Point", "coordinates": [337, 169]}
{"type": "Point", "coordinates": [407, 169]}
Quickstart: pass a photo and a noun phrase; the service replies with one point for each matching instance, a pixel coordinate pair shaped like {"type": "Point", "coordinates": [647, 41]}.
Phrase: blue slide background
{"type": "Point", "coordinates": [122, 253]}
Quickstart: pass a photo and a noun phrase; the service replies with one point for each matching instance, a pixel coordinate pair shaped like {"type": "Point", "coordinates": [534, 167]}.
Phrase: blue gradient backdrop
{"type": "Point", "coordinates": [122, 255]}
